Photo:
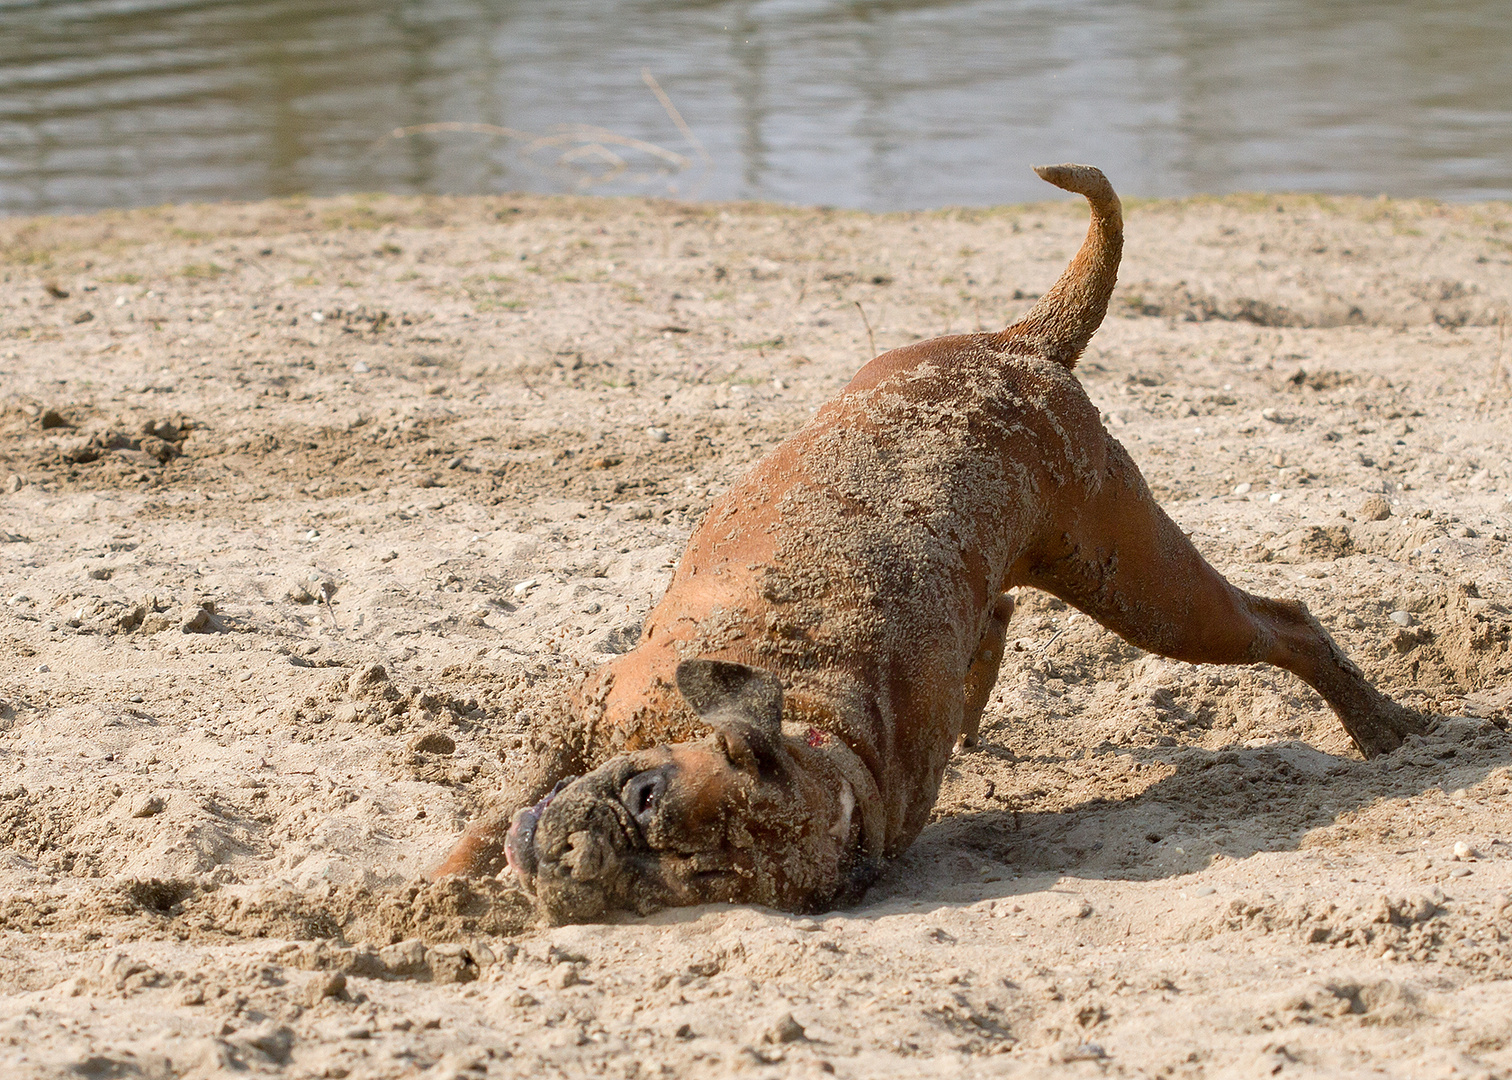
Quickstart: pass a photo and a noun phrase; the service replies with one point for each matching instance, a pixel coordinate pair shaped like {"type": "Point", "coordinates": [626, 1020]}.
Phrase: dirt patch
{"type": "Point", "coordinates": [313, 511]}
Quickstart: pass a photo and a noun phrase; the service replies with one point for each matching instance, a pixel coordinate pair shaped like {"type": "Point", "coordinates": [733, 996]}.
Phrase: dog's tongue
{"type": "Point", "coordinates": [519, 842]}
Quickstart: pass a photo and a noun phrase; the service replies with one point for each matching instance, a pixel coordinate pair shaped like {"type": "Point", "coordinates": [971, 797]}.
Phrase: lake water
{"type": "Point", "coordinates": [883, 105]}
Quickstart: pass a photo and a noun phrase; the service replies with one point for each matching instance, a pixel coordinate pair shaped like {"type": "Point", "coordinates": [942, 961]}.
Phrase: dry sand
{"type": "Point", "coordinates": [307, 505]}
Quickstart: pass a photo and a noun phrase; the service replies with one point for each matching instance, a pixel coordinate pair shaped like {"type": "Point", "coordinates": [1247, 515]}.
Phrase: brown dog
{"type": "Point", "coordinates": [838, 621]}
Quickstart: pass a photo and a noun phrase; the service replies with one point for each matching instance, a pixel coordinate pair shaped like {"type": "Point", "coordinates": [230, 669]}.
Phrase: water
{"type": "Point", "coordinates": [883, 105]}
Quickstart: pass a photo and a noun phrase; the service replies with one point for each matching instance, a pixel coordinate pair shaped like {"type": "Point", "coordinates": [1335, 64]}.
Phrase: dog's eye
{"type": "Point", "coordinates": [642, 794]}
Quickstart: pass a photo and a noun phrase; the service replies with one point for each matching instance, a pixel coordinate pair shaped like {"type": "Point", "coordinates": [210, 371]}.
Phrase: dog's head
{"type": "Point", "coordinates": [745, 816]}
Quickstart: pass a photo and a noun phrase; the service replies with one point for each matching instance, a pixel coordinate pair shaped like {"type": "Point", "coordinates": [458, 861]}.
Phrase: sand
{"type": "Point", "coordinates": [309, 508]}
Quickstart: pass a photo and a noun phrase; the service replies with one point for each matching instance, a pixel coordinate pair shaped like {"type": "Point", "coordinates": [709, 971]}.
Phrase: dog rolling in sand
{"type": "Point", "coordinates": [838, 619]}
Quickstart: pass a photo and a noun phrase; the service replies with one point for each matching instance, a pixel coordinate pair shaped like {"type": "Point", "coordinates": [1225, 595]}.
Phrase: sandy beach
{"type": "Point", "coordinates": [305, 506]}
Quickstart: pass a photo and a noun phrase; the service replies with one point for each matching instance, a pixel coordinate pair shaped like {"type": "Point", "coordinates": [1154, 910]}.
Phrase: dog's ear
{"type": "Point", "coordinates": [742, 704]}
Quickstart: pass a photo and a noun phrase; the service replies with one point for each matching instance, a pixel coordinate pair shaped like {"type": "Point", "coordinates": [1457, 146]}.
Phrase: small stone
{"type": "Point", "coordinates": [1088, 1051]}
{"type": "Point", "coordinates": [366, 680]}
{"type": "Point", "coordinates": [1270, 414]}
{"type": "Point", "coordinates": [1242, 489]}
{"type": "Point", "coordinates": [43, 669]}
{"type": "Point", "coordinates": [361, 368]}
{"type": "Point", "coordinates": [1401, 618]}
{"type": "Point", "coordinates": [433, 742]}
{"type": "Point", "coordinates": [1374, 508]}
{"type": "Point", "coordinates": [524, 587]}
{"type": "Point", "coordinates": [783, 1030]}
{"type": "Point", "coordinates": [311, 588]}
{"type": "Point", "coordinates": [326, 984]}
{"type": "Point", "coordinates": [136, 699]}
{"type": "Point", "coordinates": [451, 963]}
{"type": "Point", "coordinates": [14, 483]}
{"type": "Point", "coordinates": [52, 418]}
{"type": "Point", "coordinates": [407, 958]}
{"type": "Point", "coordinates": [1461, 871]}
{"type": "Point", "coordinates": [146, 806]}
{"type": "Point", "coordinates": [163, 428]}
{"type": "Point", "coordinates": [658, 434]}
{"type": "Point", "coordinates": [196, 619]}
{"type": "Point", "coordinates": [1464, 852]}
{"type": "Point", "coordinates": [563, 976]}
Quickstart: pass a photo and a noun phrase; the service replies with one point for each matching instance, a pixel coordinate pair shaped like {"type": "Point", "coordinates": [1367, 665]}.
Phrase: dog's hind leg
{"type": "Point", "coordinates": [1117, 556]}
{"type": "Point", "coordinates": [982, 675]}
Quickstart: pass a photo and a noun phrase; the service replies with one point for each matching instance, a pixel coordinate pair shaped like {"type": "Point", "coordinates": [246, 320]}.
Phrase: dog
{"type": "Point", "coordinates": [836, 625]}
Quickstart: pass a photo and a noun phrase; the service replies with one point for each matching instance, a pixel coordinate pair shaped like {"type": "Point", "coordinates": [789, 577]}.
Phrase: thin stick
{"type": "Point", "coordinates": [682, 125]}
{"type": "Point", "coordinates": [870, 338]}
{"type": "Point", "coordinates": [452, 125]}
{"type": "Point", "coordinates": [1502, 369]}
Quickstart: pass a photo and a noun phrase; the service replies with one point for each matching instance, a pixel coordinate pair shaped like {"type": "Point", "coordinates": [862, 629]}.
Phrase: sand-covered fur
{"type": "Point", "coordinates": [855, 576]}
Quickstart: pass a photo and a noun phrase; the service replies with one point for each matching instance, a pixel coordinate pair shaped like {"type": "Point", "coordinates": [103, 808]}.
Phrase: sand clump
{"type": "Point", "coordinates": [307, 529]}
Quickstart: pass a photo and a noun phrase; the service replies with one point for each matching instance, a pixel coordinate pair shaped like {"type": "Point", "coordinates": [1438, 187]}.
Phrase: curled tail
{"type": "Point", "coordinates": [1059, 326]}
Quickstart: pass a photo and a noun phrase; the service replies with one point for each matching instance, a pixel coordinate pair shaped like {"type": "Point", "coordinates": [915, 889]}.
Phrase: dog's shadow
{"type": "Point", "coordinates": [1178, 810]}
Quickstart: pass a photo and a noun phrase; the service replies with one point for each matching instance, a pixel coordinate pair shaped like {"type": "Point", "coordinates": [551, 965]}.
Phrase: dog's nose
{"type": "Point", "coordinates": [643, 792]}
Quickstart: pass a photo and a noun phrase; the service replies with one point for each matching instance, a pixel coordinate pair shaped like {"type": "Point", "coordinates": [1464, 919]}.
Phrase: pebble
{"type": "Point", "coordinates": [1269, 414]}
{"type": "Point", "coordinates": [658, 434]}
{"type": "Point", "coordinates": [1374, 508]}
{"type": "Point", "coordinates": [524, 587]}
{"type": "Point", "coordinates": [1464, 852]}
{"type": "Point", "coordinates": [1242, 489]}
{"type": "Point", "coordinates": [326, 984]}
{"type": "Point", "coordinates": [136, 699]}
{"type": "Point", "coordinates": [1461, 871]}
{"type": "Point", "coordinates": [19, 598]}
{"type": "Point", "coordinates": [149, 805]}
{"type": "Point", "coordinates": [784, 1029]}
{"type": "Point", "coordinates": [14, 483]}
{"type": "Point", "coordinates": [361, 368]}
{"type": "Point", "coordinates": [1401, 618]}
{"type": "Point", "coordinates": [43, 669]}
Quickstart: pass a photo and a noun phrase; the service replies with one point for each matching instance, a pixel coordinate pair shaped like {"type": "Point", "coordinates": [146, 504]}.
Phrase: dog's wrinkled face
{"type": "Point", "coordinates": [739, 817]}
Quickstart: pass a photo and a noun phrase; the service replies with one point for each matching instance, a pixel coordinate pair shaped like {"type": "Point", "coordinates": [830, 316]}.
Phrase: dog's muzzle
{"type": "Point", "coordinates": [519, 842]}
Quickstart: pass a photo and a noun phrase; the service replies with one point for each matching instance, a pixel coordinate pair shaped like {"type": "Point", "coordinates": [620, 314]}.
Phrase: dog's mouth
{"type": "Point", "coordinates": [519, 842]}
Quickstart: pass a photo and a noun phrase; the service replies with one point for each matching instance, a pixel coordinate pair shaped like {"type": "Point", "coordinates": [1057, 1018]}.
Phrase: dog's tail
{"type": "Point", "coordinates": [1059, 326]}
